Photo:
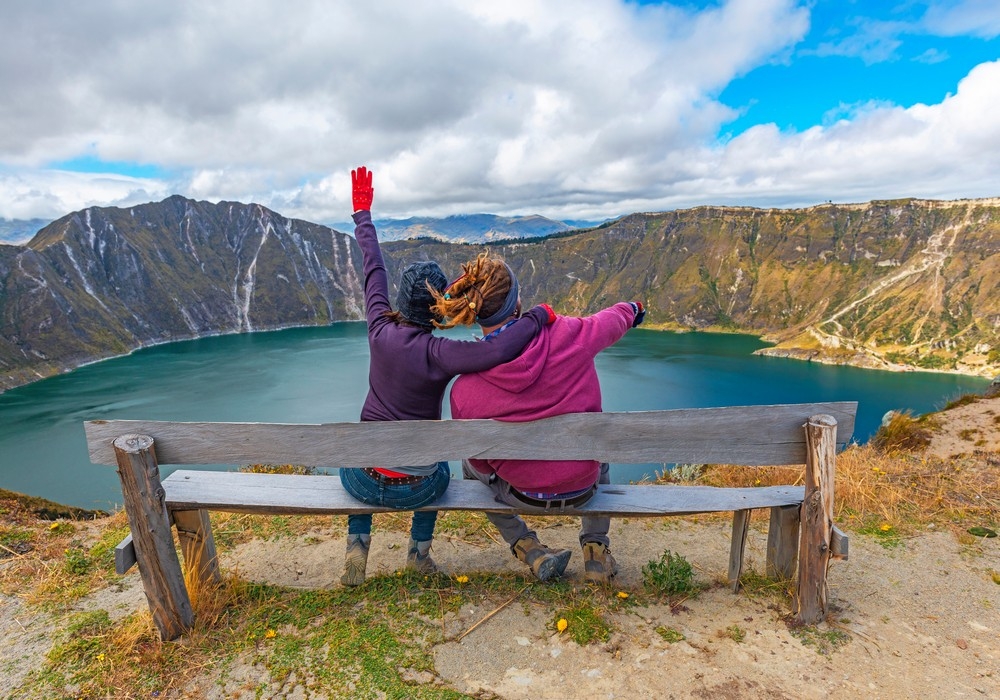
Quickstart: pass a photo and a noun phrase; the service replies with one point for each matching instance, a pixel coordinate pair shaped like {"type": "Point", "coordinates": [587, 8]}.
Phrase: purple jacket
{"type": "Point", "coordinates": [409, 367]}
{"type": "Point", "coordinates": [554, 375]}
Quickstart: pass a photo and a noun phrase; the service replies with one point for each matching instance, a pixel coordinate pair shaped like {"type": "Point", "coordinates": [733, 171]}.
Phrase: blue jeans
{"type": "Point", "coordinates": [369, 490]}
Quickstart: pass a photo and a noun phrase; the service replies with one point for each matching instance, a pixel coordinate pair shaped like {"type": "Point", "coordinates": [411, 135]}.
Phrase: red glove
{"type": "Point", "coordinates": [361, 189]}
{"type": "Point", "coordinates": [551, 314]}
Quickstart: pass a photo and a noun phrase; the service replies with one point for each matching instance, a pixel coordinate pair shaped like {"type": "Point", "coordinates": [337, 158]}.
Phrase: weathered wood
{"type": "Point", "coordinates": [817, 518]}
{"type": "Point", "coordinates": [272, 494]}
{"type": "Point", "coordinates": [741, 527]}
{"type": "Point", "coordinates": [782, 543]}
{"type": "Point", "coordinates": [152, 536]}
{"type": "Point", "coordinates": [839, 544]}
{"type": "Point", "coordinates": [194, 531]}
{"type": "Point", "coordinates": [124, 556]}
{"type": "Point", "coordinates": [748, 435]}
{"type": "Point", "coordinates": [801, 516]}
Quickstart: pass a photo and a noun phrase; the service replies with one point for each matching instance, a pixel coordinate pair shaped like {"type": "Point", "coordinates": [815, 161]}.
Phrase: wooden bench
{"type": "Point", "coordinates": [801, 526]}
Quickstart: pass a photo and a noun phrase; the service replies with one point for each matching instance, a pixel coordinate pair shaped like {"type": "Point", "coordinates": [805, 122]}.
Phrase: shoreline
{"type": "Point", "coordinates": [792, 353]}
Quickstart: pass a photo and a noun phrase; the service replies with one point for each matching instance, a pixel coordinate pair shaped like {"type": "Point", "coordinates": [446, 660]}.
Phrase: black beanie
{"type": "Point", "coordinates": [414, 300]}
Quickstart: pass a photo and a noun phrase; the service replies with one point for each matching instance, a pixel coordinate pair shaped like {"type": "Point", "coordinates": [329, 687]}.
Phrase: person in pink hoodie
{"type": "Point", "coordinates": [554, 374]}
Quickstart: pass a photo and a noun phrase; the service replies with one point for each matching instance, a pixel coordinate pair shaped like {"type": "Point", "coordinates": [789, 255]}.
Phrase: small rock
{"type": "Point", "coordinates": [961, 644]}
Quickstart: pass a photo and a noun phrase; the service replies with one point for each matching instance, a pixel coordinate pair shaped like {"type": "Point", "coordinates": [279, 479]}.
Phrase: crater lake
{"type": "Point", "coordinates": [319, 375]}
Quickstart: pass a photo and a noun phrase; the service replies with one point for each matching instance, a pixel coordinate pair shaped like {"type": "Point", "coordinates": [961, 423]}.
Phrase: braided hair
{"type": "Point", "coordinates": [479, 293]}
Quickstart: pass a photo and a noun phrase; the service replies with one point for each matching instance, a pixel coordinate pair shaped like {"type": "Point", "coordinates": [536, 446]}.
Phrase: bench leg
{"type": "Point", "coordinates": [741, 526]}
{"type": "Point", "coordinates": [194, 530]}
{"type": "Point", "coordinates": [152, 535]}
{"type": "Point", "coordinates": [783, 543]}
{"type": "Point", "coordinates": [817, 519]}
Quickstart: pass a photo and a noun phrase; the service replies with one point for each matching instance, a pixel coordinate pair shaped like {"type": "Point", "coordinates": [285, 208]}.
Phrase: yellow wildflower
{"type": "Point", "coordinates": [100, 657]}
{"type": "Point", "coordinates": [622, 594]}
{"type": "Point", "coordinates": [54, 526]}
{"type": "Point", "coordinates": [270, 634]}
{"type": "Point", "coordinates": [885, 527]}
{"type": "Point", "coordinates": [562, 625]}
{"type": "Point", "coordinates": [462, 579]}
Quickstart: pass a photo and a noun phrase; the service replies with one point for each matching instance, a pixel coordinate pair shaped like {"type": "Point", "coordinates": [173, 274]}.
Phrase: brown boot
{"type": "Point", "coordinates": [544, 562]}
{"type": "Point", "coordinates": [356, 560]}
{"type": "Point", "coordinates": [418, 557]}
{"type": "Point", "coordinates": [598, 564]}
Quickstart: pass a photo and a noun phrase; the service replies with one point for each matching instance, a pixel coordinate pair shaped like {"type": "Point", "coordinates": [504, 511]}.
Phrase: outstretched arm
{"type": "Point", "coordinates": [464, 357]}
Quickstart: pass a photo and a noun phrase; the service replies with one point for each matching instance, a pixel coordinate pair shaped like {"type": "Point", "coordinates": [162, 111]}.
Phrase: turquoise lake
{"type": "Point", "coordinates": [319, 375]}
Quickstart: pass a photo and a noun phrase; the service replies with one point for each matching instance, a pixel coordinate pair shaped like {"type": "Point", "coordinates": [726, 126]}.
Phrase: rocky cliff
{"type": "Point", "coordinates": [904, 283]}
{"type": "Point", "coordinates": [104, 281]}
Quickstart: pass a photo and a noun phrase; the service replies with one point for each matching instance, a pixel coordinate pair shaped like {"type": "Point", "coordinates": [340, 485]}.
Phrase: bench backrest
{"type": "Point", "coordinates": [745, 435]}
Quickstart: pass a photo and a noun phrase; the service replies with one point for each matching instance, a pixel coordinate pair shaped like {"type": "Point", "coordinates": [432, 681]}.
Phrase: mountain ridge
{"type": "Point", "coordinates": [467, 228]}
{"type": "Point", "coordinates": [891, 284]}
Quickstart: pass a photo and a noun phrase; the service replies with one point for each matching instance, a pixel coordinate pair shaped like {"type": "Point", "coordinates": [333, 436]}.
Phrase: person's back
{"type": "Point", "coordinates": [553, 376]}
{"type": "Point", "coordinates": [409, 369]}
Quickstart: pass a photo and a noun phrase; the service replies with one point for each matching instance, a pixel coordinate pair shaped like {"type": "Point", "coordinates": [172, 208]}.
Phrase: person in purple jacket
{"type": "Point", "coordinates": [554, 375]}
{"type": "Point", "coordinates": [409, 370]}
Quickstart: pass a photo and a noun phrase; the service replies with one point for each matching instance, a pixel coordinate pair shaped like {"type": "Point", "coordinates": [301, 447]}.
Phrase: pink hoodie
{"type": "Point", "coordinates": [554, 375]}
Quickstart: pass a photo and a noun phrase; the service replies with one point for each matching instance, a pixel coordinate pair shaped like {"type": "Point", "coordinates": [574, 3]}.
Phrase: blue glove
{"type": "Point", "coordinates": [640, 312]}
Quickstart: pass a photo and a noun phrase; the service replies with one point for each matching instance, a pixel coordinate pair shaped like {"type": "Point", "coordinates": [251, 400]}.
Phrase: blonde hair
{"type": "Point", "coordinates": [479, 293]}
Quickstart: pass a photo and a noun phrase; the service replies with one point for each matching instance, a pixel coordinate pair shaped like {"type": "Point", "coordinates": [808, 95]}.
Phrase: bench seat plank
{"type": "Point", "coordinates": [241, 492]}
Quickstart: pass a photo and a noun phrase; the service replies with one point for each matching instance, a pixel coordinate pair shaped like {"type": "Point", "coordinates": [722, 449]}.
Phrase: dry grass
{"type": "Point", "coordinates": [904, 433]}
{"type": "Point", "coordinates": [900, 489]}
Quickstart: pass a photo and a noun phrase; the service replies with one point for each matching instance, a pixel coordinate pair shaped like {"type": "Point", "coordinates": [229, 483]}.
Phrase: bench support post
{"type": "Point", "coordinates": [817, 518]}
{"type": "Point", "coordinates": [152, 536]}
{"type": "Point", "coordinates": [194, 530]}
{"type": "Point", "coordinates": [783, 543]}
{"type": "Point", "coordinates": [741, 526]}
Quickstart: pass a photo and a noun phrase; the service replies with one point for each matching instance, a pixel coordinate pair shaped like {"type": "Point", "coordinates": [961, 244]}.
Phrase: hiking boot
{"type": "Point", "coordinates": [598, 564]}
{"type": "Point", "coordinates": [544, 562]}
{"type": "Point", "coordinates": [418, 558]}
{"type": "Point", "coordinates": [356, 560]}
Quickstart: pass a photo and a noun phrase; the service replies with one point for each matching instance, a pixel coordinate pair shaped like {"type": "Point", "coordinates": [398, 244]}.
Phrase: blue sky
{"type": "Point", "coordinates": [574, 109]}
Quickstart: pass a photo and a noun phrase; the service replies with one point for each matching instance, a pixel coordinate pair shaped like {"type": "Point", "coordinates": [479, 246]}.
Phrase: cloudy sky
{"type": "Point", "coordinates": [574, 109]}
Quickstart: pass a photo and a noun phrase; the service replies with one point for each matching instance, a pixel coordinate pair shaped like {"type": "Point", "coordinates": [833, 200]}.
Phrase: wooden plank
{"type": "Point", "coordinates": [839, 544]}
{"type": "Point", "coordinates": [741, 527]}
{"type": "Point", "coordinates": [748, 435]}
{"type": "Point", "coordinates": [194, 531]}
{"type": "Point", "coordinates": [241, 492]}
{"type": "Point", "coordinates": [817, 519]}
{"type": "Point", "coordinates": [124, 556]}
{"type": "Point", "coordinates": [152, 536]}
{"type": "Point", "coordinates": [783, 543]}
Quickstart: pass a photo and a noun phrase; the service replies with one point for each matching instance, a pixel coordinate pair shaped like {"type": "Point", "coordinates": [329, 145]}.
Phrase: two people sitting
{"type": "Point", "coordinates": [528, 366]}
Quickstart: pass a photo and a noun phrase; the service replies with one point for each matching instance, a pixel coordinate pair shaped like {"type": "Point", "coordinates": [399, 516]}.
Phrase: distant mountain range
{"type": "Point", "coordinates": [471, 228]}
{"type": "Point", "coordinates": [908, 283]}
{"type": "Point", "coordinates": [17, 231]}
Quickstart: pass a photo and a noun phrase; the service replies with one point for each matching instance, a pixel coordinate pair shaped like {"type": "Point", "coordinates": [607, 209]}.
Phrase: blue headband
{"type": "Point", "coordinates": [509, 304]}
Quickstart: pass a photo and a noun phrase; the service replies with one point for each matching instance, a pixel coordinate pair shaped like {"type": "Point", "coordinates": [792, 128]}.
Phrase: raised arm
{"type": "Point", "coordinates": [376, 278]}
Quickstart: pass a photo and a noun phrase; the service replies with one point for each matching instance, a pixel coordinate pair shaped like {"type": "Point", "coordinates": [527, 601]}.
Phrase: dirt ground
{"type": "Point", "coordinates": [920, 620]}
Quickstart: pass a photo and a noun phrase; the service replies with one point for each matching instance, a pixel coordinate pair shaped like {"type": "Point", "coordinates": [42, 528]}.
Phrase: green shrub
{"type": "Point", "coordinates": [671, 575]}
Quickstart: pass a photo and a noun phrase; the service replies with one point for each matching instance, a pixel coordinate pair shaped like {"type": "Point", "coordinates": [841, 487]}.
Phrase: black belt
{"type": "Point", "coordinates": [557, 503]}
{"type": "Point", "coordinates": [407, 480]}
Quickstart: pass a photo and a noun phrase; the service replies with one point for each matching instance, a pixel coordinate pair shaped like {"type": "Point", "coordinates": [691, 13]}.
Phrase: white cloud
{"type": "Point", "coordinates": [565, 108]}
{"type": "Point", "coordinates": [50, 194]}
{"type": "Point", "coordinates": [979, 18]}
